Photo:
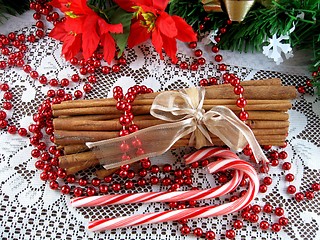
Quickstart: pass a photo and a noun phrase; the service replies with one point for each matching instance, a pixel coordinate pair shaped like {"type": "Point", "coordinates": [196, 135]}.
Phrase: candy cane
{"type": "Point", "coordinates": [160, 196]}
{"type": "Point", "coordinates": [232, 162]}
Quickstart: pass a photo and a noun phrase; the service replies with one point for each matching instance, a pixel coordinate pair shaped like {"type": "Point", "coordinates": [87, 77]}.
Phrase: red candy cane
{"type": "Point", "coordinates": [231, 162]}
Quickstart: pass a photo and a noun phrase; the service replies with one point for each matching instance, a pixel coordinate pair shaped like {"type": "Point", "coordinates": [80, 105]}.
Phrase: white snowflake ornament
{"type": "Point", "coordinates": [210, 38]}
{"type": "Point", "coordinates": [276, 47]}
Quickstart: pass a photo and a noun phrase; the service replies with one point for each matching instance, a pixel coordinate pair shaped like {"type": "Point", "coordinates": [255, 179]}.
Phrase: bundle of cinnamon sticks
{"type": "Point", "coordinates": [80, 121]}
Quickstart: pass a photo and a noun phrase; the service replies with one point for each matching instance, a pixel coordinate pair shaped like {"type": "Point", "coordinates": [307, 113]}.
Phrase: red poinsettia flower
{"type": "Point", "coordinates": [83, 30]}
{"type": "Point", "coordinates": [153, 22]}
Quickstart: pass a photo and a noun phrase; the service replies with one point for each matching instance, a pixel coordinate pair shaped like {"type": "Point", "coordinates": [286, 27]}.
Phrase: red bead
{"type": "Point", "coordinates": [185, 230]}
{"type": "Point", "coordinates": [201, 27]}
{"type": "Point", "coordinates": [54, 185]}
{"type": "Point", "coordinates": [116, 187]}
{"type": "Point", "coordinates": [283, 221]}
{"type": "Point", "coordinates": [267, 180]}
{"type": "Point", "coordinates": [289, 177]}
{"type": "Point", "coordinates": [129, 184]}
{"type": "Point", "coordinates": [309, 83]}
{"type": "Point", "coordinates": [299, 196]}
{"type": "Point", "coordinates": [91, 191]}
{"type": "Point", "coordinates": [39, 24]}
{"type": "Point", "coordinates": [264, 225]}
{"type": "Point", "coordinates": [203, 82]}
{"type": "Point", "coordinates": [230, 234]}
{"type": "Point", "coordinates": [83, 71]}
{"type": "Point", "coordinates": [65, 189]}
{"type": "Point", "coordinates": [283, 155]}
{"type": "Point", "coordinates": [78, 94]}
{"type": "Point", "coordinates": [238, 224]}
{"type": "Point", "coordinates": [254, 218]}
{"type": "Point", "coordinates": [198, 232]}
{"type": "Point", "coordinates": [215, 49]}
{"type": "Point", "coordinates": [115, 68]}
{"type": "Point", "coordinates": [83, 181]}
{"type": "Point", "coordinates": [91, 69]}
{"type": "Point", "coordinates": [103, 188]}
{"type": "Point", "coordinates": [7, 105]}
{"type": "Point", "coordinates": [192, 45]}
{"type": "Point", "coordinates": [204, 162]}
{"type": "Point", "coordinates": [166, 181]}
{"type": "Point", "coordinates": [301, 89]}
{"type": "Point", "coordinates": [3, 64]}
{"type": "Point", "coordinates": [245, 215]}
{"type": "Point", "coordinates": [238, 90]}
{"type": "Point", "coordinates": [222, 30]}
{"type": "Point", "coordinates": [39, 164]}
{"type": "Point", "coordinates": [53, 82]}
{"type": "Point", "coordinates": [243, 116]}
{"type": "Point", "coordinates": [223, 178]}
{"type": "Point", "coordinates": [256, 209]}
{"type": "Point", "coordinates": [291, 189]}
{"type": "Point", "coordinates": [44, 176]}
{"type": "Point", "coordinates": [87, 88]}
{"type": "Point", "coordinates": [194, 66]}
{"type": "Point", "coordinates": [201, 61]}
{"type": "Point", "coordinates": [241, 102]}
{"type": "Point", "coordinates": [218, 58]}
{"type": "Point", "coordinates": [279, 211]}
{"type": "Point", "coordinates": [212, 81]}
{"type": "Point", "coordinates": [315, 187]}
{"type": "Point", "coordinates": [95, 182]}
{"type": "Point", "coordinates": [167, 168]}
{"type": "Point", "coordinates": [222, 67]}
{"type": "Point", "coordinates": [78, 192]}
{"type": "Point", "coordinates": [106, 70]}
{"type": "Point", "coordinates": [36, 16]}
{"type": "Point", "coordinates": [64, 82]}
{"type": "Point", "coordinates": [40, 33]}
{"type": "Point", "coordinates": [309, 195]}
{"type": "Point", "coordinates": [34, 74]}
{"type": "Point", "coordinates": [263, 188]}
{"type": "Point", "coordinates": [12, 129]}
{"type": "Point", "coordinates": [210, 235]}
{"type": "Point", "coordinates": [276, 227]}
{"type": "Point", "coordinates": [184, 65]}
{"type": "Point", "coordinates": [274, 162]}
{"type": "Point", "coordinates": [286, 166]}
{"type": "Point", "coordinates": [198, 53]}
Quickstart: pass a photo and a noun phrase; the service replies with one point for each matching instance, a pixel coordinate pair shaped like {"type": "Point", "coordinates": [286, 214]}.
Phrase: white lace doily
{"type": "Point", "coordinates": [29, 209]}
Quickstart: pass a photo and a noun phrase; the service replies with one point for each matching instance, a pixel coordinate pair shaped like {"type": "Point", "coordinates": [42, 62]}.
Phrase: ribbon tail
{"type": "Point", "coordinates": [148, 142]}
{"type": "Point", "coordinates": [233, 132]}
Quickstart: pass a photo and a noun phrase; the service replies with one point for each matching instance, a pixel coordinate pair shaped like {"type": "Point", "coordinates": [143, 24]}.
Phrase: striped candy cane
{"type": "Point", "coordinates": [231, 162]}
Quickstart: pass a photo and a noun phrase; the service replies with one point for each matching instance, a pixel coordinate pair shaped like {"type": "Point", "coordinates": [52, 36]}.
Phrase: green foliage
{"type": "Point", "coordinates": [12, 7]}
{"type": "Point", "coordinates": [261, 23]}
{"type": "Point", "coordinates": [121, 16]}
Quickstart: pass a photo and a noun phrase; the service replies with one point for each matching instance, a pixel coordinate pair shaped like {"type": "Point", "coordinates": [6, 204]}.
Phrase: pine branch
{"type": "Point", "coordinates": [12, 7]}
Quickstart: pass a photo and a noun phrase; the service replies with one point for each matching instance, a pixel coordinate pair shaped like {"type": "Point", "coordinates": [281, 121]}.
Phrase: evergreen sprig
{"type": "Point", "coordinates": [12, 7]}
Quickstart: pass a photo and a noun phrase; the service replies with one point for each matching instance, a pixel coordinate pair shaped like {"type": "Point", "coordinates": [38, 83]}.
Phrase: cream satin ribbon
{"type": "Point", "coordinates": [184, 110]}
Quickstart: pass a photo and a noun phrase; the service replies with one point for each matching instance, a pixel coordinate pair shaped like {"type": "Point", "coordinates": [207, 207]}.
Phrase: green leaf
{"type": "Point", "coordinates": [118, 15]}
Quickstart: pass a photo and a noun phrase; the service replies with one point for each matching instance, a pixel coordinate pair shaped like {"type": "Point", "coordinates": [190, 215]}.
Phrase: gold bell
{"type": "Point", "coordinates": [238, 9]}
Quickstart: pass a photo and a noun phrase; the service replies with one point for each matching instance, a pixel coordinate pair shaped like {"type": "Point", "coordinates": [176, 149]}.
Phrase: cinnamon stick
{"type": "Point", "coordinates": [77, 148]}
{"type": "Point", "coordinates": [112, 102]}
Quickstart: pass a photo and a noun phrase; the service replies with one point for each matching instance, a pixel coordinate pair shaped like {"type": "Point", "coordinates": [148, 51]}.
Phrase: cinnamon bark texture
{"type": "Point", "coordinates": [80, 121]}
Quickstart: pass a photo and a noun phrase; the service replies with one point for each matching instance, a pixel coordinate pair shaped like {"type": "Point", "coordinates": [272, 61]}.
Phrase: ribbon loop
{"type": "Point", "coordinates": [184, 111]}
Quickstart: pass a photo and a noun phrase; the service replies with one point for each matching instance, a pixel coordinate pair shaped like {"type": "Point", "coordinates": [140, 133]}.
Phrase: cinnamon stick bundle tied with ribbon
{"type": "Point", "coordinates": [184, 111]}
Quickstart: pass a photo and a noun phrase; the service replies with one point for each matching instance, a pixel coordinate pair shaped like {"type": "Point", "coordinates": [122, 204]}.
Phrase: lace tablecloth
{"type": "Point", "coordinates": [29, 209]}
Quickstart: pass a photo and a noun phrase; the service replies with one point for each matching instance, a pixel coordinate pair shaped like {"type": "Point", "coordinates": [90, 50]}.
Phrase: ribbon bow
{"type": "Point", "coordinates": [184, 110]}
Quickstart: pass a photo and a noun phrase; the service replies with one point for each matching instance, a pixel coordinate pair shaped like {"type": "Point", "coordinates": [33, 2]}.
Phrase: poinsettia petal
{"type": "Point", "coordinates": [166, 25]}
{"type": "Point", "coordinates": [157, 41]}
{"type": "Point", "coordinates": [105, 27]}
{"type": "Point", "coordinates": [58, 32]}
{"type": "Point", "coordinates": [109, 47]}
{"type": "Point", "coordinates": [71, 46]}
{"type": "Point", "coordinates": [138, 34]}
{"type": "Point", "coordinates": [80, 7]}
{"type": "Point", "coordinates": [170, 47]}
{"type": "Point", "coordinates": [126, 5]}
{"type": "Point", "coordinates": [160, 4]}
{"type": "Point", "coordinates": [185, 31]}
{"type": "Point", "coordinates": [75, 24]}
{"type": "Point", "coordinates": [90, 37]}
